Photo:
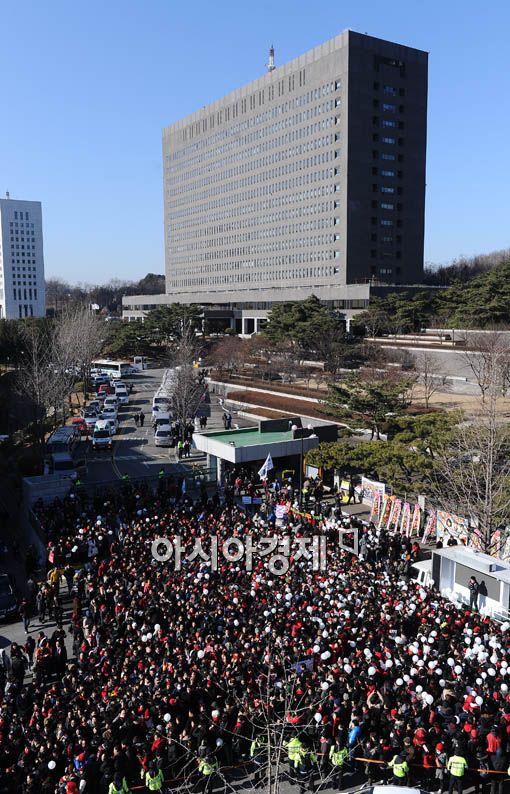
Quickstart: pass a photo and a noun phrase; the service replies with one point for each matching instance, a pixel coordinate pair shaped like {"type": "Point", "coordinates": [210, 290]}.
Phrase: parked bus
{"type": "Point", "coordinates": [63, 439]}
{"type": "Point", "coordinates": [116, 369]}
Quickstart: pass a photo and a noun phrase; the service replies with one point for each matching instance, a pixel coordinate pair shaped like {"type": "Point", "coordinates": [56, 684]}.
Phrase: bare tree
{"type": "Point", "coordinates": [188, 392]}
{"type": "Point", "coordinates": [78, 338]}
{"type": "Point", "coordinates": [489, 360]}
{"type": "Point", "coordinates": [431, 377]}
{"type": "Point", "coordinates": [227, 354]}
{"type": "Point", "coordinates": [474, 478]}
{"type": "Point", "coordinates": [39, 381]}
{"type": "Point", "coordinates": [281, 692]}
{"type": "Point", "coordinates": [474, 472]}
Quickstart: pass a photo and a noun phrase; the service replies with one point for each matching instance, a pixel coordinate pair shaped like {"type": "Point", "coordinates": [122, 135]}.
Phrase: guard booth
{"type": "Point", "coordinates": [286, 440]}
{"type": "Point", "coordinates": [452, 568]}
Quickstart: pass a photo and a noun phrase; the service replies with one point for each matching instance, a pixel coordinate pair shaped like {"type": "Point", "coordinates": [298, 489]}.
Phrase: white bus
{"type": "Point", "coordinates": [117, 369]}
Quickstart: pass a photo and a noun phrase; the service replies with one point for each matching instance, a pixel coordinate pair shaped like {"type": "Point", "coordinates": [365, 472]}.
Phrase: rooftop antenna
{"type": "Point", "coordinates": [270, 65]}
{"type": "Point", "coordinates": [7, 194]}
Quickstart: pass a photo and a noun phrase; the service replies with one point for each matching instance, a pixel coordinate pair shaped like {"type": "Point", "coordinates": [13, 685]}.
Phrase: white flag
{"type": "Point", "coordinates": [183, 486]}
{"type": "Point", "coordinates": [268, 465]}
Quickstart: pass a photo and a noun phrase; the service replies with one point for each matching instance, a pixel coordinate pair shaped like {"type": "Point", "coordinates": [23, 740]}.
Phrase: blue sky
{"type": "Point", "coordinates": [87, 88]}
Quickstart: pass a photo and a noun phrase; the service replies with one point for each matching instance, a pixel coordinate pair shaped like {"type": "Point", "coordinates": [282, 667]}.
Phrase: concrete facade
{"type": "Point", "coordinates": [310, 178]}
{"type": "Point", "coordinates": [22, 289]}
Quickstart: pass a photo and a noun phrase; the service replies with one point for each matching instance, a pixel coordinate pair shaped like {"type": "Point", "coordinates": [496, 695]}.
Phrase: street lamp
{"type": "Point", "coordinates": [294, 427]}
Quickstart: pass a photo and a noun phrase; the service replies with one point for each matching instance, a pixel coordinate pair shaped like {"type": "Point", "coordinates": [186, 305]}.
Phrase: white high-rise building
{"type": "Point", "coordinates": [22, 292]}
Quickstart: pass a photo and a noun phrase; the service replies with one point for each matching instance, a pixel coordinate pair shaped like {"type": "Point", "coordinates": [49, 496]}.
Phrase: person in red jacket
{"type": "Point", "coordinates": [493, 740]}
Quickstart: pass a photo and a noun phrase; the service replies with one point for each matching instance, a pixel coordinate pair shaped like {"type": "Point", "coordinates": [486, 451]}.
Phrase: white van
{"type": "Point", "coordinates": [161, 418]}
{"type": "Point", "coordinates": [163, 436]}
{"type": "Point", "coordinates": [107, 423]}
{"type": "Point", "coordinates": [62, 464]}
{"type": "Point", "coordinates": [122, 393]}
{"type": "Point", "coordinates": [101, 437]}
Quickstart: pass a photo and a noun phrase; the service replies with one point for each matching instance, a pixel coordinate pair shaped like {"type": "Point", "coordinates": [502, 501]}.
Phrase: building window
{"type": "Point", "coordinates": [388, 140]}
{"type": "Point", "coordinates": [389, 108]}
{"type": "Point", "coordinates": [385, 206]}
{"type": "Point", "coordinates": [389, 123]}
{"type": "Point", "coordinates": [389, 90]}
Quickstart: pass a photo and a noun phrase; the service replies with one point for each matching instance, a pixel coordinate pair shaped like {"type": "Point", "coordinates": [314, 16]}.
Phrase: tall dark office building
{"type": "Point", "coordinates": [310, 179]}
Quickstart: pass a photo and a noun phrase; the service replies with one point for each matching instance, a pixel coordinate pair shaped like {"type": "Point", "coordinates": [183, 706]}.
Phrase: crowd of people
{"type": "Point", "coordinates": [182, 676]}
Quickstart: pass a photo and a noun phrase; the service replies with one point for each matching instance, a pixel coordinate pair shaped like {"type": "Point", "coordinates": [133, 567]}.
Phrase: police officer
{"type": "Point", "coordinates": [400, 769]}
{"type": "Point", "coordinates": [207, 768]}
{"type": "Point", "coordinates": [337, 758]}
{"type": "Point", "coordinates": [154, 778]}
{"type": "Point", "coordinates": [456, 766]}
{"type": "Point", "coordinates": [118, 786]}
{"type": "Point", "coordinates": [295, 751]}
{"type": "Point", "coordinates": [258, 749]}
{"type": "Point", "coordinates": [306, 770]}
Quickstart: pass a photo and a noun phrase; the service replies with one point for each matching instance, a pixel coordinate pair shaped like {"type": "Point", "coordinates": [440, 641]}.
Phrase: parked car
{"type": "Point", "coordinates": [163, 436]}
{"type": "Point", "coordinates": [121, 393]}
{"type": "Point", "coordinates": [105, 388]}
{"type": "Point", "coordinates": [61, 463]}
{"type": "Point", "coordinates": [102, 436]}
{"type": "Point", "coordinates": [112, 400]}
{"type": "Point", "coordinates": [8, 601]}
{"type": "Point", "coordinates": [95, 405]}
{"type": "Point", "coordinates": [89, 416]}
{"type": "Point", "coordinates": [161, 418]}
{"type": "Point", "coordinates": [80, 423]}
{"type": "Point", "coordinates": [110, 412]}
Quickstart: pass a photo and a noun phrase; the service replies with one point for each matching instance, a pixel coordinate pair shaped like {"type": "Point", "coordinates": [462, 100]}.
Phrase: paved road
{"type": "Point", "coordinates": [134, 452]}
{"type": "Point", "coordinates": [452, 363]}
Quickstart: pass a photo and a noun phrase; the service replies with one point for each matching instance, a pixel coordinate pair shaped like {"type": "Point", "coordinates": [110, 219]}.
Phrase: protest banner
{"type": "Point", "coordinates": [449, 525]}
{"type": "Point", "coordinates": [369, 488]}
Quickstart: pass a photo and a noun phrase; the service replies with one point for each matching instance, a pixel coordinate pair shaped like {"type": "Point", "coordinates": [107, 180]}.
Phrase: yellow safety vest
{"type": "Point", "coordinates": [206, 767]}
{"type": "Point", "coordinates": [257, 744]}
{"type": "Point", "coordinates": [296, 751]}
{"type": "Point", "coordinates": [112, 789]}
{"type": "Point", "coordinates": [154, 783]}
{"type": "Point", "coordinates": [399, 770]}
{"type": "Point", "coordinates": [337, 757]}
{"type": "Point", "coordinates": [457, 766]}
